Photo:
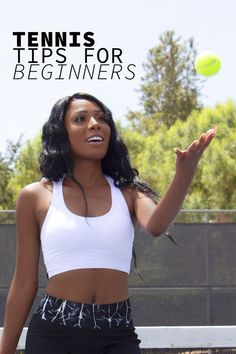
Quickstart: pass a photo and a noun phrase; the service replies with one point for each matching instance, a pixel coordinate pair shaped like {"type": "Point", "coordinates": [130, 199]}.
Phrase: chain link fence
{"type": "Point", "coordinates": [184, 216]}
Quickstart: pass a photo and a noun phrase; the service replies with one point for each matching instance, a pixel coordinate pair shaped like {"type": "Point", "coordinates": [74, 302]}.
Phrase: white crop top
{"type": "Point", "coordinates": [69, 241]}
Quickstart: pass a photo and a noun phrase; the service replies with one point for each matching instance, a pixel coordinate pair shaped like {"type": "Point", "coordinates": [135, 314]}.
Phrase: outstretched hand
{"type": "Point", "coordinates": [187, 160]}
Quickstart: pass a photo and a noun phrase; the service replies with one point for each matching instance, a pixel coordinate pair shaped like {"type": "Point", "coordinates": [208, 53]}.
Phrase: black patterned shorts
{"type": "Point", "coordinates": [75, 314]}
{"type": "Point", "coordinates": [66, 327]}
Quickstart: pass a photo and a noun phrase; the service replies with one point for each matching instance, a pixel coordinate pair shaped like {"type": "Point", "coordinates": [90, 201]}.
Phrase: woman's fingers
{"type": "Point", "coordinates": [202, 138]}
{"type": "Point", "coordinates": [209, 136]}
{"type": "Point", "coordinates": [178, 152]}
{"type": "Point", "coordinates": [198, 145]}
{"type": "Point", "coordinates": [193, 146]}
{"type": "Point", "coordinates": [212, 133]}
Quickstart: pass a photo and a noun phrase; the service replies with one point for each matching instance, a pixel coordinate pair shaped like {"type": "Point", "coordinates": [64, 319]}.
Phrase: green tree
{"type": "Point", "coordinates": [171, 88]}
{"type": "Point", "coordinates": [214, 184]}
{"type": "Point", "coordinates": [12, 152]}
{"type": "Point", "coordinates": [26, 166]}
{"type": "Point", "coordinates": [7, 163]}
{"type": "Point", "coordinates": [5, 195]}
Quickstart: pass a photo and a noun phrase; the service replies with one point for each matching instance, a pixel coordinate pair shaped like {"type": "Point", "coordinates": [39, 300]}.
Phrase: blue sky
{"type": "Point", "coordinates": [132, 25]}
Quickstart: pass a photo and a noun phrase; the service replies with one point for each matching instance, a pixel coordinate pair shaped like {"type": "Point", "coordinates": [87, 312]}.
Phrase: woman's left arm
{"type": "Point", "coordinates": [156, 218]}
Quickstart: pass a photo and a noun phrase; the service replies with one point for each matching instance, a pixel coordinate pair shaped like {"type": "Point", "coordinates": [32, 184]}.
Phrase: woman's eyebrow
{"type": "Point", "coordinates": [92, 111]}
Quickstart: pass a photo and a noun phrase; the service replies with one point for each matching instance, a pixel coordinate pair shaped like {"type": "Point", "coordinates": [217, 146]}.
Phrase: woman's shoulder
{"type": "Point", "coordinates": [129, 189]}
{"type": "Point", "coordinates": [34, 189]}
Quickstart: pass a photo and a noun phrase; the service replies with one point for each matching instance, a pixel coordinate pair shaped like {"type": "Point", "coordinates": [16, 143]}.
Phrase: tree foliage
{"type": "Point", "coordinates": [171, 89]}
{"type": "Point", "coordinates": [26, 168]}
{"type": "Point", "coordinates": [7, 163]}
{"type": "Point", "coordinates": [5, 195]}
{"type": "Point", "coordinates": [213, 186]}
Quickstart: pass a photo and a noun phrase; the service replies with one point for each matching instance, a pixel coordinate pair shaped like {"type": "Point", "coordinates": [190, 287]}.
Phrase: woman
{"type": "Point", "coordinates": [82, 214]}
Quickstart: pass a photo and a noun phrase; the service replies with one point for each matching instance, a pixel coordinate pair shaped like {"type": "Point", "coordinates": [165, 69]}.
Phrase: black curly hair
{"type": "Point", "coordinates": [56, 159]}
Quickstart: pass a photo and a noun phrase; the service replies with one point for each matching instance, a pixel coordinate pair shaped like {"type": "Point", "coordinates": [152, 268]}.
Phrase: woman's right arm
{"type": "Point", "coordinates": [24, 284]}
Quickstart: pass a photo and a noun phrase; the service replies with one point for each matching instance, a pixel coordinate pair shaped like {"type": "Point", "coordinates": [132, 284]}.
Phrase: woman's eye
{"type": "Point", "coordinates": [83, 118]}
{"type": "Point", "coordinates": [79, 119]}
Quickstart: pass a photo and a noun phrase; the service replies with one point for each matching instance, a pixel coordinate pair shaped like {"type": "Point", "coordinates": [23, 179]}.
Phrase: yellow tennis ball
{"type": "Point", "coordinates": [207, 63]}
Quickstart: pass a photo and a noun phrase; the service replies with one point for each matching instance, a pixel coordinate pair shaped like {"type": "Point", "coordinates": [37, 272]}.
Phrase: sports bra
{"type": "Point", "coordinates": [70, 241]}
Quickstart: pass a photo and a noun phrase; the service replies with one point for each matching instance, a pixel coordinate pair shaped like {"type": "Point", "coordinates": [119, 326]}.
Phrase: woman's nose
{"type": "Point", "coordinates": [93, 122]}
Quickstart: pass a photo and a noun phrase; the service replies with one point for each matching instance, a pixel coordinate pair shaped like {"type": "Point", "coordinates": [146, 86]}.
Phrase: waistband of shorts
{"type": "Point", "coordinates": [83, 315]}
{"type": "Point", "coordinates": [74, 303]}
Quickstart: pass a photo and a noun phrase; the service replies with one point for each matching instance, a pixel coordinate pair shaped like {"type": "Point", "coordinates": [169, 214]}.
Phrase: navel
{"type": "Point", "coordinates": [93, 299]}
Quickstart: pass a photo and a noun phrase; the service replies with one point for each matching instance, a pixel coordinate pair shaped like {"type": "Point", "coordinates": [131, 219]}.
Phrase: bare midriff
{"type": "Point", "coordinates": [90, 286]}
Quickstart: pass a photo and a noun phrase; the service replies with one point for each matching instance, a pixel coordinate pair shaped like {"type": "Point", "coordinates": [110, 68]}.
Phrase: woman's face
{"type": "Point", "coordinates": [85, 120]}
